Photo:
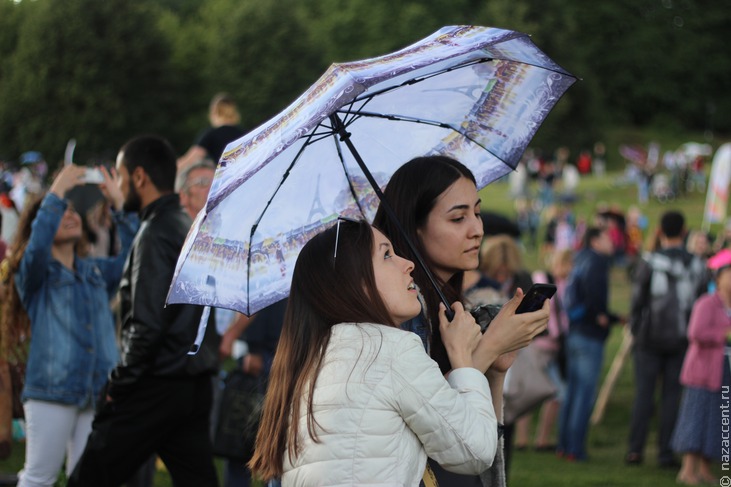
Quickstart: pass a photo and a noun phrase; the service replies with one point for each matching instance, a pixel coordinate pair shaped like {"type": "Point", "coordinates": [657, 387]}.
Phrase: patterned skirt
{"type": "Point", "coordinates": [701, 418]}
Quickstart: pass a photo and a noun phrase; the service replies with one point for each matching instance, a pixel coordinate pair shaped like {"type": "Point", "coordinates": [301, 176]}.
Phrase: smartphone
{"type": "Point", "coordinates": [534, 298]}
{"type": "Point", "coordinates": [93, 176]}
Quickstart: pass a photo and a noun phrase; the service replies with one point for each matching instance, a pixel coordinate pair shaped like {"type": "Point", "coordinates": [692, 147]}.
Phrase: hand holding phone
{"type": "Point", "coordinates": [93, 175]}
{"type": "Point", "coordinates": [534, 298]}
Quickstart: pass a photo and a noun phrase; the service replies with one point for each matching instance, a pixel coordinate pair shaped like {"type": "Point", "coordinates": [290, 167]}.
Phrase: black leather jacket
{"type": "Point", "coordinates": [155, 339]}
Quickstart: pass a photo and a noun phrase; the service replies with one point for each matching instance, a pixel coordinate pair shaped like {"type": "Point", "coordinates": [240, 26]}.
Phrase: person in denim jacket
{"type": "Point", "coordinates": [72, 346]}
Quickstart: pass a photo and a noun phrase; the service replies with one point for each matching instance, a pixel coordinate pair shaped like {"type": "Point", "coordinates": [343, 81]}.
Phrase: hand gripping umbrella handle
{"type": "Point", "coordinates": [339, 128]}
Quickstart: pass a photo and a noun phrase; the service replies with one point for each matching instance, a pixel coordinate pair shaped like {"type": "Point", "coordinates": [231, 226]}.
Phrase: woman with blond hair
{"type": "Point", "coordinates": [501, 261]}
{"type": "Point", "coordinates": [550, 353]}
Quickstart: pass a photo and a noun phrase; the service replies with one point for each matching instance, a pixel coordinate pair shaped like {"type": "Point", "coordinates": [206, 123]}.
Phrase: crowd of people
{"type": "Point", "coordinates": [365, 379]}
{"type": "Point", "coordinates": [679, 318]}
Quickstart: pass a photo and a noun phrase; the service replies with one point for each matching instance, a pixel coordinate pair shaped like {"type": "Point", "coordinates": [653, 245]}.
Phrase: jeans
{"type": "Point", "coordinates": [53, 431]}
{"type": "Point", "coordinates": [584, 363]}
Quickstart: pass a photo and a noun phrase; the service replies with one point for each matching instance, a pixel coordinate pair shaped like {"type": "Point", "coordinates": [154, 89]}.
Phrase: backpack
{"type": "Point", "coordinates": [671, 291]}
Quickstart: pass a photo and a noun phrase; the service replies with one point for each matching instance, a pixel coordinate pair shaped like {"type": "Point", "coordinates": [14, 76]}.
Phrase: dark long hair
{"type": "Point", "coordinates": [326, 290]}
{"type": "Point", "coordinates": [14, 321]}
{"type": "Point", "coordinates": [412, 192]}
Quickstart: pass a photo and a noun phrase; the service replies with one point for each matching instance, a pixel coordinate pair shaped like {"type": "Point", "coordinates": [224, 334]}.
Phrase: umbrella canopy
{"type": "Point", "coordinates": [476, 94]}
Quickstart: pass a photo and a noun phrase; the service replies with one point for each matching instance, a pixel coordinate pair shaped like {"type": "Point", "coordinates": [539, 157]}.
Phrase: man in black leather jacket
{"type": "Point", "coordinates": [158, 399]}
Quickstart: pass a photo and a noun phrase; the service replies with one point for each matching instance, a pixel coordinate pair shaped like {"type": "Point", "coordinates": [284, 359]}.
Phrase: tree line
{"type": "Point", "coordinates": [102, 71]}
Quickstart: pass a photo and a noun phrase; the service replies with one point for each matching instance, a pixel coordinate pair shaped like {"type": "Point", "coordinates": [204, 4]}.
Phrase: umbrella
{"type": "Point", "coordinates": [476, 94]}
{"type": "Point", "coordinates": [633, 153]}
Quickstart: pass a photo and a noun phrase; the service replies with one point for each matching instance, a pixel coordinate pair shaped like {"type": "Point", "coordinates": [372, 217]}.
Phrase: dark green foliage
{"type": "Point", "coordinates": [103, 71]}
{"type": "Point", "coordinates": [91, 70]}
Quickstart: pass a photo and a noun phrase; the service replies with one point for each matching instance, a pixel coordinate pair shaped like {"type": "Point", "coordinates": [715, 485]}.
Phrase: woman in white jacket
{"type": "Point", "coordinates": [353, 399]}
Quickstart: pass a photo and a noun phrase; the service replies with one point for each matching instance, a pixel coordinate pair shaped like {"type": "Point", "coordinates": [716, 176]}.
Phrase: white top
{"type": "Point", "coordinates": [382, 406]}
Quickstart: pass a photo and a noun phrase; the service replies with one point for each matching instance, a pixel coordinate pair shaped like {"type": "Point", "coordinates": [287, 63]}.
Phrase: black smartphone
{"type": "Point", "coordinates": [534, 298]}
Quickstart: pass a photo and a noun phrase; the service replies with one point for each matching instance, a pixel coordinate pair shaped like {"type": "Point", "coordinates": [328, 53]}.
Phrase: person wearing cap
{"type": "Point", "coordinates": [28, 182]}
{"type": "Point", "coordinates": [705, 373]}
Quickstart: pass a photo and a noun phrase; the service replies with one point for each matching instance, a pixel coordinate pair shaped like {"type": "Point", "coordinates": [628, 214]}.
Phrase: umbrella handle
{"type": "Point", "coordinates": [202, 325]}
{"type": "Point", "coordinates": [339, 128]}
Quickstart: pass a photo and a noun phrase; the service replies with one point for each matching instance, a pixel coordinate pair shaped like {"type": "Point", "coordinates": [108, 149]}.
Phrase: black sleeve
{"type": "Point", "coordinates": [145, 327]}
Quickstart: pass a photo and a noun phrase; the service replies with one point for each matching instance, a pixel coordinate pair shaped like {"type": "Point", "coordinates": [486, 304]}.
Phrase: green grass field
{"type": "Point", "coordinates": [607, 440]}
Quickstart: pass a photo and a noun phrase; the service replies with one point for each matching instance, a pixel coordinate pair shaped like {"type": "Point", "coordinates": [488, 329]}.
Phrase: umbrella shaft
{"type": "Point", "coordinates": [339, 127]}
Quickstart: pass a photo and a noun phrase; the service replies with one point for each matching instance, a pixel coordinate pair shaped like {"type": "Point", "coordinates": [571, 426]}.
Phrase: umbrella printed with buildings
{"type": "Point", "coordinates": [476, 94]}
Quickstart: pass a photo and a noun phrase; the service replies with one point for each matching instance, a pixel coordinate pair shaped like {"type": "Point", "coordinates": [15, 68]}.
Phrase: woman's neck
{"type": "Point", "coordinates": [64, 253]}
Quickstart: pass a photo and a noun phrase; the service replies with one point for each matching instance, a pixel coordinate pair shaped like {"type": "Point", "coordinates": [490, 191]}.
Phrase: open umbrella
{"type": "Point", "coordinates": [476, 94]}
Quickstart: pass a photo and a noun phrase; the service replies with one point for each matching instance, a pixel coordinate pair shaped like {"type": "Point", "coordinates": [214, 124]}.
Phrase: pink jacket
{"type": "Point", "coordinates": [709, 324]}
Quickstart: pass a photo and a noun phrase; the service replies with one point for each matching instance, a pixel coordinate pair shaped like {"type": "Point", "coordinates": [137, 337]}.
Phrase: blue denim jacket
{"type": "Point", "coordinates": [73, 346]}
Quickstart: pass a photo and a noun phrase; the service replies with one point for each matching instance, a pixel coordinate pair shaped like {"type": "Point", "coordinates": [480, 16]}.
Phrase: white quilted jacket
{"type": "Point", "coordinates": [382, 406]}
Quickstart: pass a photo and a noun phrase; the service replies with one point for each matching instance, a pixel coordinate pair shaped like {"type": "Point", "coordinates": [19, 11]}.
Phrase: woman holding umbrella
{"type": "Point", "coordinates": [435, 199]}
{"type": "Point", "coordinates": [353, 399]}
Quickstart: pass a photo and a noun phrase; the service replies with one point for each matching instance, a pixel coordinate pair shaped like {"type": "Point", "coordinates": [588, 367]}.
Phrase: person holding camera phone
{"type": "Point", "coordinates": [62, 300]}
{"type": "Point", "coordinates": [355, 400]}
{"type": "Point", "coordinates": [435, 199]}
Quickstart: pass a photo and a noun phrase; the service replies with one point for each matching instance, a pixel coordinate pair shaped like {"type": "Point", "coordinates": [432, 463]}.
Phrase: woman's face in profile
{"type": "Point", "coordinates": [393, 280]}
{"type": "Point", "coordinates": [453, 231]}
